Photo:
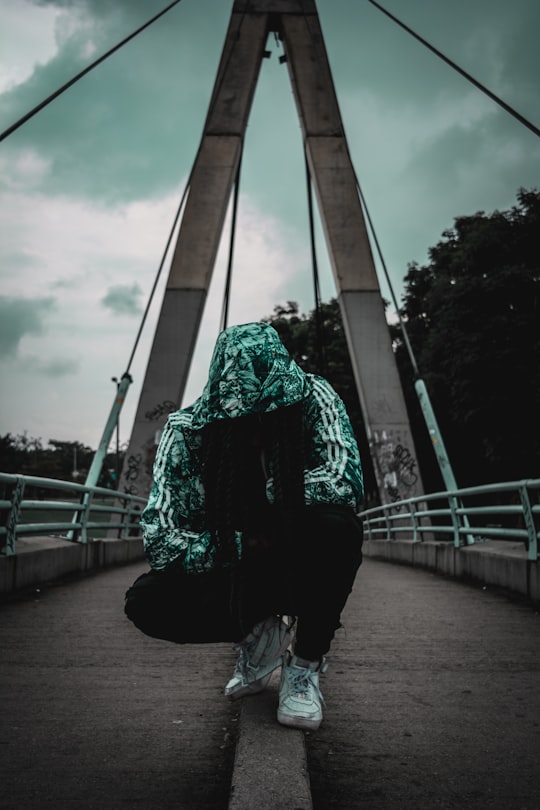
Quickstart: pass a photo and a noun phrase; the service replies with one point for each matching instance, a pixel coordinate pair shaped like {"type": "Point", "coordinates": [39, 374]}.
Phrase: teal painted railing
{"type": "Point", "coordinates": [73, 511]}
{"type": "Point", "coordinates": [506, 511]}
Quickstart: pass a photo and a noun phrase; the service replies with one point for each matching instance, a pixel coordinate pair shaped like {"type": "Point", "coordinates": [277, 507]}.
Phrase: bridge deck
{"type": "Point", "coordinates": [433, 701]}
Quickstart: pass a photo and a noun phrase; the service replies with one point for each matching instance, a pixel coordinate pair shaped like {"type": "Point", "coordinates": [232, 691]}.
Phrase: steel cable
{"type": "Point", "coordinates": [82, 73]}
{"type": "Point", "coordinates": [461, 71]}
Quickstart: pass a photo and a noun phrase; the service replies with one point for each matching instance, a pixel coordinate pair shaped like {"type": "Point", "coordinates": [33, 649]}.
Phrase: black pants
{"type": "Point", "coordinates": [307, 571]}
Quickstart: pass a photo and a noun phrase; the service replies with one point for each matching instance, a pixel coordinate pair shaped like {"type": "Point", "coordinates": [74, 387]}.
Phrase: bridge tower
{"type": "Point", "coordinates": [214, 172]}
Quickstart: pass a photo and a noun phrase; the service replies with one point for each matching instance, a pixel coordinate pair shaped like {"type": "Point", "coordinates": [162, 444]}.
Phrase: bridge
{"type": "Point", "coordinates": [432, 690]}
{"type": "Point", "coordinates": [432, 693]}
{"type": "Point", "coordinates": [432, 700]}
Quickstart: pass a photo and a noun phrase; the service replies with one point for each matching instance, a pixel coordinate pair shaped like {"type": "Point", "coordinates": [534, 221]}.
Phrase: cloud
{"type": "Point", "coordinates": [20, 317]}
{"type": "Point", "coordinates": [126, 129]}
{"type": "Point", "coordinates": [91, 183]}
{"type": "Point", "coordinates": [123, 300]}
{"type": "Point", "coordinates": [72, 245]}
{"type": "Point", "coordinates": [78, 254]}
{"type": "Point", "coordinates": [26, 169]}
{"type": "Point", "coordinates": [54, 367]}
{"type": "Point", "coordinates": [31, 41]}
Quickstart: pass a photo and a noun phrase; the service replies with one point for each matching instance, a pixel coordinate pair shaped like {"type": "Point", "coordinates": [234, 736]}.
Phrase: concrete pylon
{"type": "Point", "coordinates": [377, 379]}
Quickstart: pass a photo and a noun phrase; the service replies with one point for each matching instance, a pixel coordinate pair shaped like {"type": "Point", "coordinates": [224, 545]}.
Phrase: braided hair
{"type": "Point", "coordinates": [233, 477]}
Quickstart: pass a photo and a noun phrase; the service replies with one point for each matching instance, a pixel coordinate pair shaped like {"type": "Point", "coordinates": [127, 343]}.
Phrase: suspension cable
{"type": "Point", "coordinates": [460, 70]}
{"type": "Point", "coordinates": [387, 277]}
{"type": "Point", "coordinates": [80, 75]}
{"type": "Point", "coordinates": [227, 293]}
{"type": "Point", "coordinates": [321, 359]}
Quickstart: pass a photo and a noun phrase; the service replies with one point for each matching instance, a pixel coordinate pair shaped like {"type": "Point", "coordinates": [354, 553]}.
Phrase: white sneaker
{"type": "Point", "coordinates": [300, 699]}
{"type": "Point", "coordinates": [259, 654]}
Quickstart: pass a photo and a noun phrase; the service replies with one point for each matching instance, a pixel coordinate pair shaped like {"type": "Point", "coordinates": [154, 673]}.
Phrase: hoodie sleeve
{"type": "Point", "coordinates": [175, 504]}
{"type": "Point", "coordinates": [334, 471]}
{"type": "Point", "coordinates": [334, 474]}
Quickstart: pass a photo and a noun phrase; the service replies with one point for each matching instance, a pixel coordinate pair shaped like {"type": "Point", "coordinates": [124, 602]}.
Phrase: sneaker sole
{"type": "Point", "coordinates": [299, 722]}
{"type": "Point", "coordinates": [249, 689]}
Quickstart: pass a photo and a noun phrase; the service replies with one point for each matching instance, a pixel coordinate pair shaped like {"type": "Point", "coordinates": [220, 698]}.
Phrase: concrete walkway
{"type": "Point", "coordinates": [433, 701]}
{"type": "Point", "coordinates": [96, 715]}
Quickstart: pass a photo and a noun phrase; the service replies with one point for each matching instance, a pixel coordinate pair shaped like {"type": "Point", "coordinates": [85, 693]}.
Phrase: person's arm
{"type": "Point", "coordinates": [334, 472]}
{"type": "Point", "coordinates": [175, 500]}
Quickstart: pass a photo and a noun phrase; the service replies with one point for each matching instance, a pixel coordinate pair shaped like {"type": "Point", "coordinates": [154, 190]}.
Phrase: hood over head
{"type": "Point", "coordinates": [251, 372]}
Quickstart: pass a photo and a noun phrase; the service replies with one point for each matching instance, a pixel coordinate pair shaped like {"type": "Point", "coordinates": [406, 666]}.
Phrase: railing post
{"type": "Point", "coordinates": [453, 503]}
{"type": "Point", "coordinates": [388, 522]}
{"type": "Point", "coordinates": [86, 504]}
{"type": "Point", "coordinates": [134, 516]}
{"type": "Point", "coordinates": [532, 539]}
{"type": "Point", "coordinates": [367, 525]}
{"type": "Point", "coordinates": [13, 516]}
{"type": "Point", "coordinates": [125, 519]}
{"type": "Point", "coordinates": [414, 522]}
{"type": "Point", "coordinates": [78, 514]}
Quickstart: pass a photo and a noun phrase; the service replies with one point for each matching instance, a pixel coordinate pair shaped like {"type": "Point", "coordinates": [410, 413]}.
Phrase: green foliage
{"type": "Point", "coordinates": [473, 318]}
{"type": "Point", "coordinates": [66, 461]}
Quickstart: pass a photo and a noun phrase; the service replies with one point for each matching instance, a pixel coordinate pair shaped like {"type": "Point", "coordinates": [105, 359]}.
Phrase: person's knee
{"type": "Point", "coordinates": [146, 598]}
{"type": "Point", "coordinates": [338, 523]}
{"type": "Point", "coordinates": [184, 609]}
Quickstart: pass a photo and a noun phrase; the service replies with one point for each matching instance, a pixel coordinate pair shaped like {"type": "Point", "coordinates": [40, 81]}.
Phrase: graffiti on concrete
{"type": "Point", "coordinates": [161, 409]}
{"type": "Point", "coordinates": [406, 465]}
{"type": "Point", "coordinates": [137, 475]}
{"type": "Point", "coordinates": [131, 473]}
{"type": "Point", "coordinates": [396, 466]}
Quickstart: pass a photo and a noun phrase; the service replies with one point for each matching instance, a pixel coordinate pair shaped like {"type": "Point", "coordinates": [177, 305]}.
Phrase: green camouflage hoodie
{"type": "Point", "coordinates": [251, 372]}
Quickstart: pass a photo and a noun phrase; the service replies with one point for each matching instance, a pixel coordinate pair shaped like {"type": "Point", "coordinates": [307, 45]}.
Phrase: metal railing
{"type": "Point", "coordinates": [508, 511]}
{"type": "Point", "coordinates": [76, 512]}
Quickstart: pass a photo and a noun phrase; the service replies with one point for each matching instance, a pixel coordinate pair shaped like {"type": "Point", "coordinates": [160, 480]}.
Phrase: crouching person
{"type": "Point", "coordinates": [251, 529]}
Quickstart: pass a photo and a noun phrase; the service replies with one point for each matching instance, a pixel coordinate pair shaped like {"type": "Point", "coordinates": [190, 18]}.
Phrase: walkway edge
{"type": "Point", "coordinates": [499, 563]}
{"type": "Point", "coordinates": [270, 765]}
{"type": "Point", "coordinates": [43, 559]}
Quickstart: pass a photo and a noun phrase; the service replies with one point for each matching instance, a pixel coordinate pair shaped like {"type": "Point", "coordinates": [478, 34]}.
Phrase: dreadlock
{"type": "Point", "coordinates": [233, 478]}
{"type": "Point", "coordinates": [287, 456]}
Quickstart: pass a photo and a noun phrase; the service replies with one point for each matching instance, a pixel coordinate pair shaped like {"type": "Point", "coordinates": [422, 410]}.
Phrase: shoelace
{"type": "Point", "coordinates": [302, 684]}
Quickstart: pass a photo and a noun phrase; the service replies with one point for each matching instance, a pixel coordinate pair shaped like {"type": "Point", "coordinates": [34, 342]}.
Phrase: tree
{"type": "Point", "coordinates": [473, 318]}
{"type": "Point", "coordinates": [66, 461]}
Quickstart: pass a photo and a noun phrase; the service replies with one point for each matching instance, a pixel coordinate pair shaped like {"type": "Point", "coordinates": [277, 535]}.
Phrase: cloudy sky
{"type": "Point", "coordinates": [90, 186]}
